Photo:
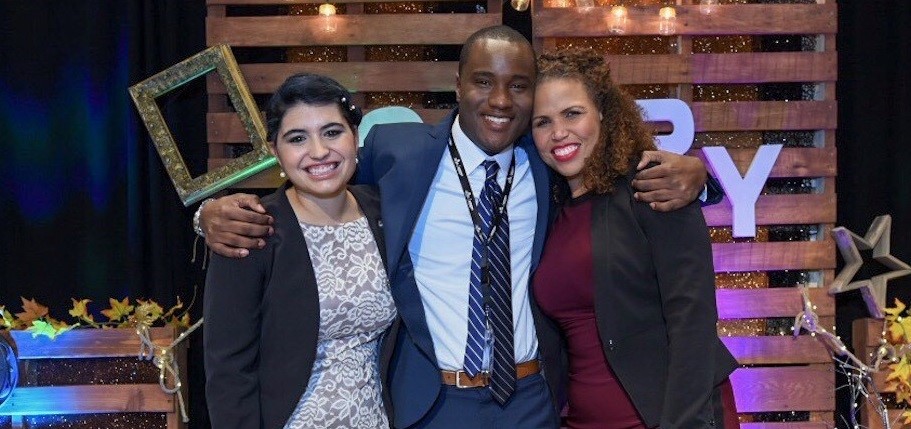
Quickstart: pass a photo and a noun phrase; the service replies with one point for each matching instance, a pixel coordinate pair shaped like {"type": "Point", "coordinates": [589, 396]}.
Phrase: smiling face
{"type": "Point", "coordinates": [317, 149]}
{"type": "Point", "coordinates": [494, 88]}
{"type": "Point", "coordinates": [566, 125]}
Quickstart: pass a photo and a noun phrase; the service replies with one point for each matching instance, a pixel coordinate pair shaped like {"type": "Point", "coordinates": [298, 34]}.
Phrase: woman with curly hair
{"type": "Point", "coordinates": [627, 293]}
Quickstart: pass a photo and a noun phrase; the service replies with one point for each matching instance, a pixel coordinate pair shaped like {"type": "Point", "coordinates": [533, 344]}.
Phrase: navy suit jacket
{"type": "Point", "coordinates": [402, 160]}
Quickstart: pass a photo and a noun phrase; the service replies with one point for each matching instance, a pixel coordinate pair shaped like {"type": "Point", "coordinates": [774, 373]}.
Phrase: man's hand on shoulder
{"type": "Point", "coordinates": [668, 181]}
{"type": "Point", "coordinates": [235, 223]}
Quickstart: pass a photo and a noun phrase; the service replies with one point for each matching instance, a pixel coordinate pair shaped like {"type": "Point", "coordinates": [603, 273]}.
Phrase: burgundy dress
{"type": "Point", "coordinates": [563, 289]}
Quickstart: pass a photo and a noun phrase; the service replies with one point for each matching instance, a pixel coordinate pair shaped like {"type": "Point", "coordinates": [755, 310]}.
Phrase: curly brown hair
{"type": "Point", "coordinates": [623, 134]}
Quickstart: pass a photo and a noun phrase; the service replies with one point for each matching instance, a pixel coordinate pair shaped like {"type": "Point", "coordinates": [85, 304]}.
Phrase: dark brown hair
{"type": "Point", "coordinates": [623, 134]}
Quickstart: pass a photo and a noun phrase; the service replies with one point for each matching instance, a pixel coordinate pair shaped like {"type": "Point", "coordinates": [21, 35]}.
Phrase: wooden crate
{"type": "Point", "coordinates": [781, 373]}
{"type": "Point", "coordinates": [39, 400]}
{"type": "Point", "coordinates": [866, 335]}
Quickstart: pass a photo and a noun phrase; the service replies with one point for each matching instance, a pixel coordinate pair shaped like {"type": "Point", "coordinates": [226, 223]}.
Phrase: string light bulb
{"type": "Point", "coordinates": [667, 21]}
{"type": "Point", "coordinates": [619, 16]}
{"type": "Point", "coordinates": [520, 5]}
{"type": "Point", "coordinates": [327, 11]}
{"type": "Point", "coordinates": [707, 7]}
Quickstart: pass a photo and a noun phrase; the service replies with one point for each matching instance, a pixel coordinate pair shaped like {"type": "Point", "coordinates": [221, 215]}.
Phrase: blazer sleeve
{"type": "Point", "coordinates": [682, 256]}
{"type": "Point", "coordinates": [365, 171]}
{"type": "Point", "coordinates": [231, 306]}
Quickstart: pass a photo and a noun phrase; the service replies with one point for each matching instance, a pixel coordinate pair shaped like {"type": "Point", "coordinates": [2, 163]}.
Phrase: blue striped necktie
{"type": "Point", "coordinates": [496, 250]}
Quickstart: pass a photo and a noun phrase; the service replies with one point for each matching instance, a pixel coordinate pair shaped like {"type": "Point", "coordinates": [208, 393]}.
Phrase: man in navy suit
{"type": "Point", "coordinates": [430, 232]}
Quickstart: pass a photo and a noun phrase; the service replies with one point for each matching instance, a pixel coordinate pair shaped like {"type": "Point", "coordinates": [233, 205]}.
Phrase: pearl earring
{"type": "Point", "coordinates": [282, 174]}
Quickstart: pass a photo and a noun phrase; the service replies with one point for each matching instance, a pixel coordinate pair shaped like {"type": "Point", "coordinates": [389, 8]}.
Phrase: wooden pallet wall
{"type": "Point", "coordinates": [723, 65]}
{"type": "Point", "coordinates": [383, 52]}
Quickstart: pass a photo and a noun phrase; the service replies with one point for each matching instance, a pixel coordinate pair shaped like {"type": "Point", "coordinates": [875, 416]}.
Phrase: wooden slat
{"type": "Point", "coordinates": [779, 210]}
{"type": "Point", "coordinates": [777, 350]}
{"type": "Point", "coordinates": [879, 381]}
{"type": "Point", "coordinates": [791, 162]}
{"type": "Point", "coordinates": [735, 116]}
{"type": "Point", "coordinates": [866, 332]}
{"type": "Point", "coordinates": [870, 419]}
{"type": "Point", "coordinates": [426, 76]}
{"type": "Point", "coordinates": [386, 29]}
{"type": "Point", "coordinates": [804, 388]}
{"type": "Point", "coordinates": [86, 399]}
{"type": "Point", "coordinates": [807, 255]}
{"type": "Point", "coordinates": [762, 67]}
{"type": "Point", "coordinates": [266, 179]}
{"type": "Point", "coordinates": [728, 20]}
{"type": "Point", "coordinates": [626, 70]}
{"type": "Point", "coordinates": [771, 302]}
{"type": "Point", "coordinates": [765, 115]}
{"type": "Point", "coordinates": [87, 343]}
{"type": "Point", "coordinates": [227, 128]}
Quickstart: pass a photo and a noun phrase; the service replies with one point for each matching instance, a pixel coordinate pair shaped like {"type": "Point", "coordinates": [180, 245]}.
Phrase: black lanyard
{"type": "Point", "coordinates": [469, 196]}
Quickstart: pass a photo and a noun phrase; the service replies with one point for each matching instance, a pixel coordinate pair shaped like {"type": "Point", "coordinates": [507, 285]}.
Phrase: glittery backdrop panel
{"type": "Point", "coordinates": [741, 327]}
{"type": "Point", "coordinates": [98, 421]}
{"type": "Point", "coordinates": [69, 372]}
{"type": "Point", "coordinates": [626, 45]}
{"type": "Point", "coordinates": [744, 280]}
{"type": "Point", "coordinates": [728, 139]}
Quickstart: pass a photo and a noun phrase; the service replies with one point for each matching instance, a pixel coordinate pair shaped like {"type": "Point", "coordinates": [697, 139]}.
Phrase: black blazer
{"type": "Point", "coordinates": [262, 322]}
{"type": "Point", "coordinates": [655, 311]}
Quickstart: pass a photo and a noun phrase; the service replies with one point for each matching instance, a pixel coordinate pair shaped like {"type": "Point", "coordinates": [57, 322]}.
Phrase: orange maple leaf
{"type": "Point", "coordinates": [31, 311]}
{"type": "Point", "coordinates": [118, 310]}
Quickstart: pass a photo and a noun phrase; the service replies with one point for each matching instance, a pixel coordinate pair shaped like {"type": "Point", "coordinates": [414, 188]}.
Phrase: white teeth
{"type": "Point", "coordinates": [317, 170]}
{"type": "Point", "coordinates": [565, 150]}
{"type": "Point", "coordinates": [496, 120]}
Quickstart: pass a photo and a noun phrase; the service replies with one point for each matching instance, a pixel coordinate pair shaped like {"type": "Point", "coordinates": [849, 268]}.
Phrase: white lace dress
{"type": "Point", "coordinates": [356, 307]}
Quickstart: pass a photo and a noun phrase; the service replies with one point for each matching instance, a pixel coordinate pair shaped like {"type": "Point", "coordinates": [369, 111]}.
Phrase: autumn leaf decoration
{"type": "Point", "coordinates": [898, 333]}
{"type": "Point", "coordinates": [35, 318]}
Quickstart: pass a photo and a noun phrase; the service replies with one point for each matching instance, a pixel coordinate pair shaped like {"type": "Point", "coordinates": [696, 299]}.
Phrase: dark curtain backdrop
{"type": "Point", "coordinates": [873, 139]}
{"type": "Point", "coordinates": [87, 209]}
{"type": "Point", "coordinates": [89, 212]}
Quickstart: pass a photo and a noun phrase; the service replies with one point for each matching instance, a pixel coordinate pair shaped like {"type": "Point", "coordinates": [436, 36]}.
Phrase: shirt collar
{"type": "Point", "coordinates": [472, 155]}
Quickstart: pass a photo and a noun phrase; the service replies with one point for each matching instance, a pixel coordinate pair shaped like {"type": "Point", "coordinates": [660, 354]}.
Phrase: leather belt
{"type": "Point", "coordinates": [461, 379]}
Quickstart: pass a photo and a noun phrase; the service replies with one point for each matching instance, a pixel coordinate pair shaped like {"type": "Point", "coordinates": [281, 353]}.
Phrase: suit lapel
{"type": "Point", "coordinates": [296, 292]}
{"type": "Point", "coordinates": [602, 259]}
{"type": "Point", "coordinates": [407, 189]}
{"type": "Point", "coordinates": [404, 190]}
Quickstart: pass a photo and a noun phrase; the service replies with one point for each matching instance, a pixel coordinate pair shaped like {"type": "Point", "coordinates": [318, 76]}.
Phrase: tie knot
{"type": "Point", "coordinates": [492, 168]}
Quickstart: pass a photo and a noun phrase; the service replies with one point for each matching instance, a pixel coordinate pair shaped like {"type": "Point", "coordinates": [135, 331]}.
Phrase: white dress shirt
{"type": "Point", "coordinates": [441, 247]}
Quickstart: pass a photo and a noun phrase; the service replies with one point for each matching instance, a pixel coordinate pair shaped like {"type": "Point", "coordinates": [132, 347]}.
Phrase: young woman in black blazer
{"type": "Point", "coordinates": [627, 293]}
{"type": "Point", "coordinates": [293, 331]}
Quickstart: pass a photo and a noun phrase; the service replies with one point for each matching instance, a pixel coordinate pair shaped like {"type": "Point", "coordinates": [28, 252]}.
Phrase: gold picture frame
{"type": "Point", "coordinates": [192, 189]}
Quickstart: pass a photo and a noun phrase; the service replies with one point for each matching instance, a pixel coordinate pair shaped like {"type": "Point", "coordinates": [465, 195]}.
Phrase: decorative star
{"type": "Point", "coordinates": [849, 245]}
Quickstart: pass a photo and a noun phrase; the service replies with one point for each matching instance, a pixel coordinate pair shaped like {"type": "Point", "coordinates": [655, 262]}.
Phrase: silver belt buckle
{"type": "Point", "coordinates": [458, 380]}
